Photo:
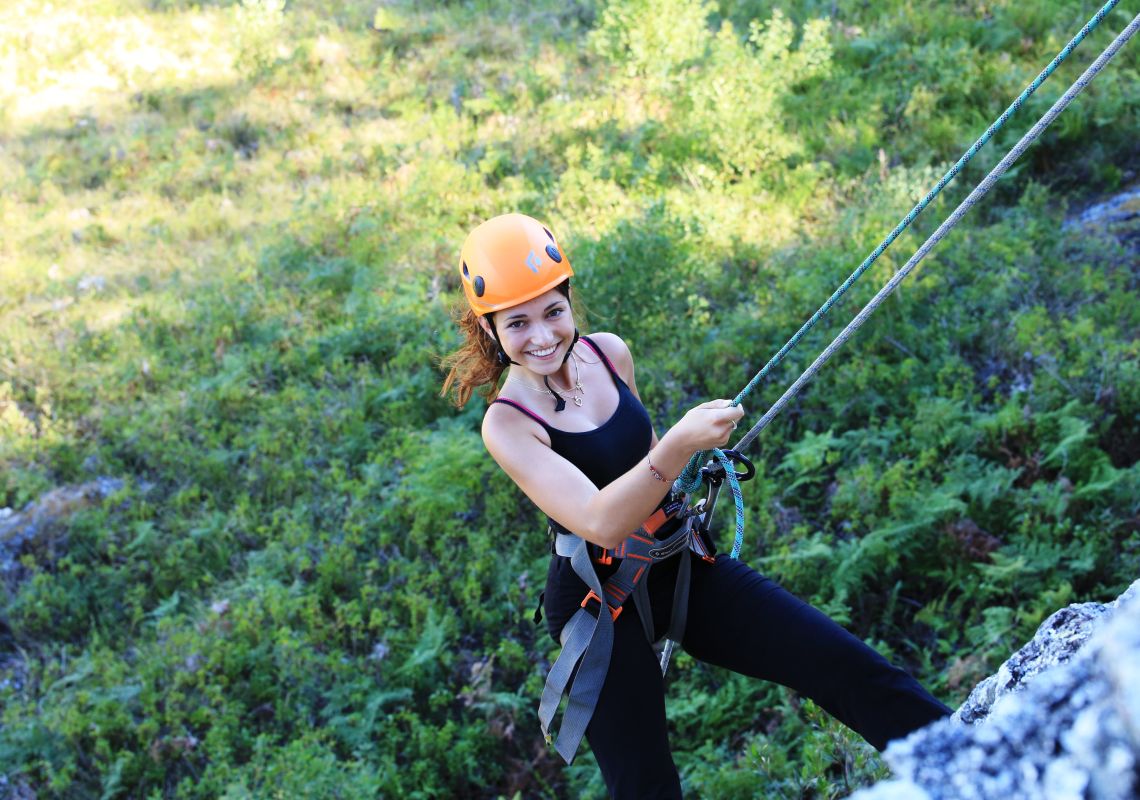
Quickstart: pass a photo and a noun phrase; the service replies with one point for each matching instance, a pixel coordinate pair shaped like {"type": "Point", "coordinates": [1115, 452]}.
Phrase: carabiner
{"type": "Point", "coordinates": [714, 473]}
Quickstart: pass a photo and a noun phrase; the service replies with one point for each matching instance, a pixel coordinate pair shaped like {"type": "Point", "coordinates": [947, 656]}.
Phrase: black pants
{"type": "Point", "coordinates": [740, 620]}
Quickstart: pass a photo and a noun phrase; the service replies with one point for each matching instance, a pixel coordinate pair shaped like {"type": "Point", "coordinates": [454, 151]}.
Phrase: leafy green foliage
{"type": "Point", "coordinates": [229, 240]}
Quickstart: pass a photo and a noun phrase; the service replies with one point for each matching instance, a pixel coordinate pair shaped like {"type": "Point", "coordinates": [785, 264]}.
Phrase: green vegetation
{"type": "Point", "coordinates": [227, 248]}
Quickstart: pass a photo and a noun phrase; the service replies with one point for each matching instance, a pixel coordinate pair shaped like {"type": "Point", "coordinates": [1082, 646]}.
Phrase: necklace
{"type": "Point", "coordinates": [576, 388]}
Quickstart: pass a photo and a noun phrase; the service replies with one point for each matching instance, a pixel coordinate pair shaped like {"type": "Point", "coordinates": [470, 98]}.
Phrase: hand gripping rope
{"type": "Point", "coordinates": [690, 479]}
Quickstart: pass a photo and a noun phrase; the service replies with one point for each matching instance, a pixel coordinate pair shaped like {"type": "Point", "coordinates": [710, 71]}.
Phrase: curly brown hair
{"type": "Point", "coordinates": [475, 363]}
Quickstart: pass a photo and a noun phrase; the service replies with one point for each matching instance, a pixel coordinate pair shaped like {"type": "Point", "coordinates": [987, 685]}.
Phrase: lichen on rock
{"type": "Point", "coordinates": [1060, 719]}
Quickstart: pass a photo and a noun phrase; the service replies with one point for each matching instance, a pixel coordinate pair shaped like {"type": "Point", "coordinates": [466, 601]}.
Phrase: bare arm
{"type": "Point", "coordinates": [606, 516]}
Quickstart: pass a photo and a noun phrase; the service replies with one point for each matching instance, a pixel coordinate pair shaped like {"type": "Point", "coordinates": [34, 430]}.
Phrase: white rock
{"type": "Point", "coordinates": [1058, 721]}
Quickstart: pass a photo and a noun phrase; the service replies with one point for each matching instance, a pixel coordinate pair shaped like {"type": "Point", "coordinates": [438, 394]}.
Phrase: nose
{"type": "Point", "coordinates": [543, 334]}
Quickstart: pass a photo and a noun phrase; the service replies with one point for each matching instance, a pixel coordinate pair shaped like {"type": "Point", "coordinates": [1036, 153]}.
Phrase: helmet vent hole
{"type": "Point", "coordinates": [466, 274]}
{"type": "Point", "coordinates": [548, 233]}
{"type": "Point", "coordinates": [552, 251]}
{"type": "Point", "coordinates": [479, 286]}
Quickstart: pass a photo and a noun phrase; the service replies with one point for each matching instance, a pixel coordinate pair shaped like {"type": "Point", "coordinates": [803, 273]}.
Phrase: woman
{"type": "Point", "coordinates": [569, 428]}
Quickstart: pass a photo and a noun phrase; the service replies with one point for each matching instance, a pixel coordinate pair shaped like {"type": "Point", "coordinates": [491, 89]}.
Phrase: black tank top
{"type": "Point", "coordinates": [609, 450]}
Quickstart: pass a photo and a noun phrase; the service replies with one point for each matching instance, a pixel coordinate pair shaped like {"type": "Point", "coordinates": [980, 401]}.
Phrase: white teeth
{"type": "Point", "coordinates": [543, 353]}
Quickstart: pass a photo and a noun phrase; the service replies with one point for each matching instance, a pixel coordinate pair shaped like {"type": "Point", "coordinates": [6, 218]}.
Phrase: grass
{"type": "Point", "coordinates": [227, 234]}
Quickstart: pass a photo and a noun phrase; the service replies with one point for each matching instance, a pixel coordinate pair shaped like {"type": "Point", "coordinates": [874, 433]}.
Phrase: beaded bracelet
{"type": "Point", "coordinates": [654, 470]}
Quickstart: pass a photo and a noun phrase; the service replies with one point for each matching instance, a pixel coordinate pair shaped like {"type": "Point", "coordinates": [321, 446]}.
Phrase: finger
{"type": "Point", "coordinates": [716, 405]}
{"type": "Point", "coordinates": [731, 415]}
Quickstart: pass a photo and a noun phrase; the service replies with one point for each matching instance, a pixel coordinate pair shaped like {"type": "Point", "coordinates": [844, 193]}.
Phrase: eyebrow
{"type": "Point", "coordinates": [523, 316]}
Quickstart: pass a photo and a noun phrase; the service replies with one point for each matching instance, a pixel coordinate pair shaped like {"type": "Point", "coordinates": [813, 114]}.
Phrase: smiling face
{"type": "Point", "coordinates": [537, 333]}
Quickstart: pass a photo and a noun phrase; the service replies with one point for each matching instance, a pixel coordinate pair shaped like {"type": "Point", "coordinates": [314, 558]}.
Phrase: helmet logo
{"type": "Point", "coordinates": [533, 262]}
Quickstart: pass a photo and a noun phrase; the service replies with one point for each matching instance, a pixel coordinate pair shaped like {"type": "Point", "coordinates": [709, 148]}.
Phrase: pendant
{"type": "Point", "coordinates": [577, 401]}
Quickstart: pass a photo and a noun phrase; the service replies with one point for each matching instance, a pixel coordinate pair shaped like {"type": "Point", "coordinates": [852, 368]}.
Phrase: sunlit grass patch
{"type": "Point", "coordinates": [89, 57]}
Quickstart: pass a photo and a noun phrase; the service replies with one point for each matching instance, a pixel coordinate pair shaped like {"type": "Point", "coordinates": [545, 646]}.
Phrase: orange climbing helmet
{"type": "Point", "coordinates": [508, 260]}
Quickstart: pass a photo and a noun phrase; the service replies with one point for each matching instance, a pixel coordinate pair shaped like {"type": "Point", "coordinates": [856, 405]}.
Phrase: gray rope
{"type": "Point", "coordinates": [922, 204]}
{"type": "Point", "coordinates": [979, 192]}
{"type": "Point", "coordinates": [688, 481]}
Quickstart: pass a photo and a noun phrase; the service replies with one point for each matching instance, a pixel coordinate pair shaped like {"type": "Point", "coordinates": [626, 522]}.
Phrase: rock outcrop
{"type": "Point", "coordinates": [41, 521]}
{"type": "Point", "coordinates": [1117, 216]}
{"type": "Point", "coordinates": [1060, 719]}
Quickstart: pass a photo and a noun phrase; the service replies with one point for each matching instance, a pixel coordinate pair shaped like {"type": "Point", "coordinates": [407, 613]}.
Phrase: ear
{"type": "Point", "coordinates": [486, 326]}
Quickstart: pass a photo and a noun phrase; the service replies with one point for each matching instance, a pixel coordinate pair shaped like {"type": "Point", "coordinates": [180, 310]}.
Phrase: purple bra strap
{"type": "Point", "coordinates": [603, 356]}
{"type": "Point", "coordinates": [521, 408]}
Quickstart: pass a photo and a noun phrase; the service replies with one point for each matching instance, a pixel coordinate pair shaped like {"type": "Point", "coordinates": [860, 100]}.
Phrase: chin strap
{"type": "Point", "coordinates": [559, 400]}
{"type": "Point", "coordinates": [500, 354]}
{"type": "Point", "coordinates": [570, 349]}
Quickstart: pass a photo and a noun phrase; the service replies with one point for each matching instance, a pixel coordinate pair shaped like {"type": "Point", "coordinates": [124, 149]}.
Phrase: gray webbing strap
{"type": "Point", "coordinates": [680, 601]}
{"type": "Point", "coordinates": [577, 637]}
{"type": "Point", "coordinates": [594, 664]}
{"type": "Point", "coordinates": [644, 608]}
{"type": "Point", "coordinates": [574, 638]}
{"type": "Point", "coordinates": [566, 543]}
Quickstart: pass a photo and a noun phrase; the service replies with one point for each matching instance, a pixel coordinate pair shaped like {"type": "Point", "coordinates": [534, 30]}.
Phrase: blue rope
{"type": "Point", "coordinates": [690, 480]}
{"type": "Point", "coordinates": [737, 500]}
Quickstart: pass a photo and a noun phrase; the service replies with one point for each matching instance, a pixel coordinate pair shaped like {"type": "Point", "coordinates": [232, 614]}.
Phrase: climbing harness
{"type": "Point", "coordinates": [587, 639]}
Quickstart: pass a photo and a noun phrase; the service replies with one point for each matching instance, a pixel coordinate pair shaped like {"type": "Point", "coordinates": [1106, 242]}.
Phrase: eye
{"type": "Point", "coordinates": [518, 323]}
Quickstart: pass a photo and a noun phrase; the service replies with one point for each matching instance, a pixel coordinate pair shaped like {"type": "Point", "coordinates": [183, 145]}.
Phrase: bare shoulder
{"type": "Point", "coordinates": [617, 351]}
{"type": "Point", "coordinates": [505, 424]}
